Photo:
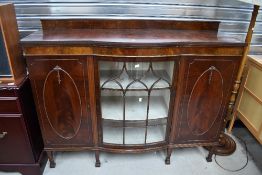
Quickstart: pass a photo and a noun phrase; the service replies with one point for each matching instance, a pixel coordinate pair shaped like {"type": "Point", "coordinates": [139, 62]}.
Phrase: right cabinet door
{"type": "Point", "coordinates": [206, 84]}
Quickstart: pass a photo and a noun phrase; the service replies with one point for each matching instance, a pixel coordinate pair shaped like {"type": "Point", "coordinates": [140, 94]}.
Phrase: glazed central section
{"type": "Point", "coordinates": [134, 99]}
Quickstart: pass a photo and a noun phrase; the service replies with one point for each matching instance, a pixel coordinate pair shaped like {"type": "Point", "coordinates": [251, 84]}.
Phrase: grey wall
{"type": "Point", "coordinates": [234, 15]}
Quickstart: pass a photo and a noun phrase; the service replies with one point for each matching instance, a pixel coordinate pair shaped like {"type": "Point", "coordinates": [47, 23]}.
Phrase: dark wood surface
{"type": "Point", "coordinates": [52, 24]}
{"type": "Point", "coordinates": [11, 37]}
{"type": "Point", "coordinates": [130, 37]}
{"type": "Point", "coordinates": [206, 64]}
{"type": "Point", "coordinates": [21, 149]}
{"type": "Point", "coordinates": [61, 88]}
{"type": "Point", "coordinates": [207, 83]}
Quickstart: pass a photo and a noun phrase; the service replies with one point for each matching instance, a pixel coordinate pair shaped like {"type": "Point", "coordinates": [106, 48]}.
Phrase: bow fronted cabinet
{"type": "Point", "coordinates": [131, 85]}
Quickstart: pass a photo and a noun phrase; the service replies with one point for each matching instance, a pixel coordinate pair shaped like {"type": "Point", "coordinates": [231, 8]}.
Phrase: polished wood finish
{"type": "Point", "coordinates": [206, 69]}
{"type": "Point", "coordinates": [61, 90]}
{"type": "Point", "coordinates": [9, 30]}
{"type": "Point", "coordinates": [205, 78]}
{"type": "Point", "coordinates": [21, 145]}
{"type": "Point", "coordinates": [62, 24]}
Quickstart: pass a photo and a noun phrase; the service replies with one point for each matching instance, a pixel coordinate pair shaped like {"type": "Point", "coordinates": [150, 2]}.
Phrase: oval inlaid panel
{"type": "Point", "coordinates": [62, 103]}
{"type": "Point", "coordinates": [205, 101]}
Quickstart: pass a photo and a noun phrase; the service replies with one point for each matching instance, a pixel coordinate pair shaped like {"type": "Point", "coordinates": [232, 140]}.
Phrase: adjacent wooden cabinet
{"type": "Point", "coordinates": [21, 144]}
{"type": "Point", "coordinates": [131, 85]}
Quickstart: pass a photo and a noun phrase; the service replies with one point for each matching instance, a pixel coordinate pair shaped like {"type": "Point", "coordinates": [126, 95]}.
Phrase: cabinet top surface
{"type": "Point", "coordinates": [129, 37]}
{"type": "Point", "coordinates": [257, 59]}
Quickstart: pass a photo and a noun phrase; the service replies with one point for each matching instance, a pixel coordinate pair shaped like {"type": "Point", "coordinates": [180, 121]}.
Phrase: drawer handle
{"type": "Point", "coordinates": [3, 135]}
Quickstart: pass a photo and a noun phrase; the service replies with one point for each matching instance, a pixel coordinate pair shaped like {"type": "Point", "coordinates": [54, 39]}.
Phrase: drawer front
{"type": "Point", "coordinates": [5, 92]}
{"type": "Point", "coordinates": [9, 105]}
{"type": "Point", "coordinates": [14, 144]}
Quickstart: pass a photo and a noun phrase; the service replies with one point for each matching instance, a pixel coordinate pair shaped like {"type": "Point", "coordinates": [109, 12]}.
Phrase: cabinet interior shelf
{"type": "Point", "coordinates": [135, 107]}
{"type": "Point", "coordinates": [134, 123]}
{"type": "Point", "coordinates": [134, 80]}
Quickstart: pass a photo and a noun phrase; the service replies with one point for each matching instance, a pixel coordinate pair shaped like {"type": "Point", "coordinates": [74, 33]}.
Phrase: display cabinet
{"type": "Point", "coordinates": [131, 86]}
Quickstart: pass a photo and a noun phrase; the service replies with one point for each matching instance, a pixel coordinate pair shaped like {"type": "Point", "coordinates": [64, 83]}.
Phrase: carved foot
{"type": "Point", "coordinates": [209, 157]}
{"type": "Point", "coordinates": [168, 155]}
{"type": "Point", "coordinates": [98, 163]}
{"type": "Point", "coordinates": [52, 164]}
{"type": "Point", "coordinates": [167, 161]}
{"type": "Point", "coordinates": [50, 155]}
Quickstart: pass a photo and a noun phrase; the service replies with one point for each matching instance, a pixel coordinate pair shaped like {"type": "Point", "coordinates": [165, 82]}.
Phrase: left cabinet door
{"type": "Point", "coordinates": [60, 86]}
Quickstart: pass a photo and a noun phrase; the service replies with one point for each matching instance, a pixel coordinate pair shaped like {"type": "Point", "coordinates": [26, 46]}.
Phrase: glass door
{"type": "Point", "coordinates": [135, 101]}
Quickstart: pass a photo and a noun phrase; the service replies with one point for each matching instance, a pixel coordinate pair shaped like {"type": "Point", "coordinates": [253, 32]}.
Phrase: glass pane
{"type": "Point", "coordinates": [112, 105]}
{"type": "Point", "coordinates": [135, 135]}
{"type": "Point", "coordinates": [159, 104]}
{"type": "Point", "coordinates": [112, 135]}
{"type": "Point", "coordinates": [4, 64]}
{"type": "Point", "coordinates": [156, 133]}
{"type": "Point", "coordinates": [141, 75]}
{"type": "Point", "coordinates": [136, 105]}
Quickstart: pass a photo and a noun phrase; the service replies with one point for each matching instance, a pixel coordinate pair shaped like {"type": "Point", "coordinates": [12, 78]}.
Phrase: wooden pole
{"type": "Point", "coordinates": [241, 69]}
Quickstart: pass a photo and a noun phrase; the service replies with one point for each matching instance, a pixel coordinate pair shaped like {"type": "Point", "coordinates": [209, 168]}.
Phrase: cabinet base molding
{"type": "Point", "coordinates": [27, 169]}
{"type": "Point", "coordinates": [227, 146]}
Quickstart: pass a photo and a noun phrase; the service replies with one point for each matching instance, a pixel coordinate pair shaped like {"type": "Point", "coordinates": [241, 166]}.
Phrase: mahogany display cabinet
{"type": "Point", "coordinates": [129, 86]}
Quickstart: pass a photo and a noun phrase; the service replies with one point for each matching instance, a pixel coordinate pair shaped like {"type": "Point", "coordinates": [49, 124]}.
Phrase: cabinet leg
{"type": "Point", "coordinates": [168, 155]}
{"type": "Point", "coordinates": [50, 155]}
{"type": "Point", "coordinates": [209, 156]}
{"type": "Point", "coordinates": [98, 164]}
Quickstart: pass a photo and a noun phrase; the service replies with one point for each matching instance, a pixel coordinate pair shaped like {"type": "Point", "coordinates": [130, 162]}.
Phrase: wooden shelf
{"type": "Point", "coordinates": [147, 81]}
{"type": "Point", "coordinates": [112, 108]}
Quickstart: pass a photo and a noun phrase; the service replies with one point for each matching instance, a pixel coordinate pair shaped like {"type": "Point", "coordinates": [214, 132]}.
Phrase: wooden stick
{"type": "Point", "coordinates": [241, 69]}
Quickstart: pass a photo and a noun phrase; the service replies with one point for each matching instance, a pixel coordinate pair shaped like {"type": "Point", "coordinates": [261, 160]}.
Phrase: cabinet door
{"type": "Point", "coordinates": [60, 89]}
{"type": "Point", "coordinates": [134, 100]}
{"type": "Point", "coordinates": [206, 87]}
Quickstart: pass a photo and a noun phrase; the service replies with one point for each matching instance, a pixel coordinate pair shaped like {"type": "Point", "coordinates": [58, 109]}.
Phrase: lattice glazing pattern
{"type": "Point", "coordinates": [135, 101]}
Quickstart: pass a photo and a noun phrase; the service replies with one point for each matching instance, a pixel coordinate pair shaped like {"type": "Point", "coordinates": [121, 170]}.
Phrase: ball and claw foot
{"type": "Point", "coordinates": [167, 161]}
{"type": "Point", "coordinates": [52, 164]}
